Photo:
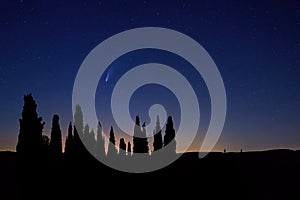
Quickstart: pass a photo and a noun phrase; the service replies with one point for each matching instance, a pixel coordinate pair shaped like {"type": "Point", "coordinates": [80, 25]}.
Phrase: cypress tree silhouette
{"type": "Point", "coordinates": [79, 150]}
{"type": "Point", "coordinates": [77, 145]}
{"type": "Point", "coordinates": [78, 117]}
{"type": "Point", "coordinates": [69, 143]}
{"type": "Point", "coordinates": [86, 132]}
{"type": "Point", "coordinates": [129, 148]}
{"type": "Point", "coordinates": [136, 135]}
{"type": "Point", "coordinates": [122, 147]}
{"type": "Point", "coordinates": [32, 150]}
{"type": "Point", "coordinates": [169, 138]}
{"type": "Point", "coordinates": [55, 146]}
{"type": "Point", "coordinates": [112, 150]}
{"type": "Point", "coordinates": [140, 142]}
{"type": "Point", "coordinates": [145, 139]}
{"type": "Point", "coordinates": [158, 143]}
{"type": "Point", "coordinates": [89, 138]}
{"type": "Point", "coordinates": [92, 141]}
{"type": "Point", "coordinates": [30, 141]}
{"type": "Point", "coordinates": [100, 148]}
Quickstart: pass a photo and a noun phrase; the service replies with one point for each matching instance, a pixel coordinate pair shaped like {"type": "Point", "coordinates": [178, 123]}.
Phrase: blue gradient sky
{"type": "Point", "coordinates": [256, 46]}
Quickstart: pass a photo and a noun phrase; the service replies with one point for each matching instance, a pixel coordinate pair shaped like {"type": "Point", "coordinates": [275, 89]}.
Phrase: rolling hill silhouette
{"type": "Point", "coordinates": [248, 175]}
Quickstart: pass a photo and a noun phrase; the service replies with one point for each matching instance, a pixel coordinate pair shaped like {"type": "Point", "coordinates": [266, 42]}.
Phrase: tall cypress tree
{"type": "Point", "coordinates": [140, 142]}
{"type": "Point", "coordinates": [55, 143]}
{"type": "Point", "coordinates": [30, 141]}
{"type": "Point", "coordinates": [158, 143]}
{"type": "Point", "coordinates": [79, 150]}
{"type": "Point", "coordinates": [169, 138]}
{"type": "Point", "coordinates": [86, 131]}
{"type": "Point", "coordinates": [92, 141]}
{"type": "Point", "coordinates": [69, 142]}
{"type": "Point", "coordinates": [144, 139]}
{"type": "Point", "coordinates": [89, 138]}
{"type": "Point", "coordinates": [112, 150]}
{"type": "Point", "coordinates": [78, 119]}
{"type": "Point", "coordinates": [122, 147]}
{"type": "Point", "coordinates": [32, 148]}
{"type": "Point", "coordinates": [100, 148]}
{"type": "Point", "coordinates": [129, 148]}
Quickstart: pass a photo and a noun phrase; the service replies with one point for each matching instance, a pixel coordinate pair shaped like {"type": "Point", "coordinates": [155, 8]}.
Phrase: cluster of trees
{"type": "Point", "coordinates": [33, 144]}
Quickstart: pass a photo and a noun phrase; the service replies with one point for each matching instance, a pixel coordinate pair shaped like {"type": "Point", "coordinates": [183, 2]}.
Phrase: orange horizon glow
{"type": "Point", "coordinates": [193, 148]}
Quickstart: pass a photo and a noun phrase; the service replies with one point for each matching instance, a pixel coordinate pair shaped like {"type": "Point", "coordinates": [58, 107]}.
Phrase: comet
{"type": "Point", "coordinates": [107, 77]}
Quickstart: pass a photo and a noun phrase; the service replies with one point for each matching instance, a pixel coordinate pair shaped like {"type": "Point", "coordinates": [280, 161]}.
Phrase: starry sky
{"type": "Point", "coordinates": [255, 44]}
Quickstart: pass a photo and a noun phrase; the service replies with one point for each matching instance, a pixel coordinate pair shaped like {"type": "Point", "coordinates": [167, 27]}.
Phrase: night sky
{"type": "Point", "coordinates": [255, 44]}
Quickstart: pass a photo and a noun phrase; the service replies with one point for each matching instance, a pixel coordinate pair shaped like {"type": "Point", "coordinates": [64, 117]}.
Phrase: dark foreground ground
{"type": "Point", "coordinates": [249, 175]}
